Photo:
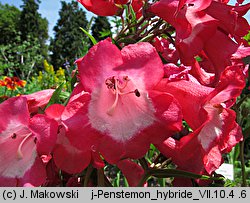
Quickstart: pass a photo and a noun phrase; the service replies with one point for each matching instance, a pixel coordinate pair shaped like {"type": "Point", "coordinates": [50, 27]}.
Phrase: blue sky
{"type": "Point", "coordinates": [50, 8]}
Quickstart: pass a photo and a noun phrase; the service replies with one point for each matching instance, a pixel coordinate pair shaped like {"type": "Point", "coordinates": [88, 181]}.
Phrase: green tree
{"type": "Point", "coordinates": [101, 28]}
{"type": "Point", "coordinates": [20, 58]}
{"type": "Point", "coordinates": [9, 23]}
{"type": "Point", "coordinates": [69, 42]}
{"type": "Point", "coordinates": [33, 25]}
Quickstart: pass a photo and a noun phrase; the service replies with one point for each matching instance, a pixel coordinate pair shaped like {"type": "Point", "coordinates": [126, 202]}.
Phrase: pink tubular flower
{"type": "Point", "coordinates": [38, 100]}
{"type": "Point", "coordinates": [230, 18]}
{"type": "Point", "coordinates": [206, 110]}
{"type": "Point", "coordinates": [124, 111]}
{"type": "Point", "coordinates": [66, 156]}
{"type": "Point", "coordinates": [23, 140]}
{"type": "Point", "coordinates": [111, 7]}
{"type": "Point", "coordinates": [193, 26]}
{"type": "Point", "coordinates": [205, 26]}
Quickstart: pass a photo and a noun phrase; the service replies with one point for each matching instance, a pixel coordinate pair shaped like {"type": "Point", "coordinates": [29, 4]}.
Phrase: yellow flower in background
{"type": "Point", "coordinates": [46, 66]}
{"type": "Point", "coordinates": [56, 79]}
{"type": "Point", "coordinates": [60, 72]}
{"type": "Point", "coordinates": [49, 78]}
{"type": "Point", "coordinates": [40, 76]}
{"type": "Point", "coordinates": [52, 70]}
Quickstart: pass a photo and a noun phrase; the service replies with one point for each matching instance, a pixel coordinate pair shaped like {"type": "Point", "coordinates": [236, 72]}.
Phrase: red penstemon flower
{"type": "Point", "coordinates": [38, 100]}
{"type": "Point", "coordinates": [207, 112]}
{"type": "Point", "coordinates": [125, 98]}
{"type": "Point", "coordinates": [123, 111]}
{"type": "Point", "coordinates": [66, 156]}
{"type": "Point", "coordinates": [163, 48]}
{"type": "Point", "coordinates": [111, 7]}
{"type": "Point", "coordinates": [205, 26]}
{"type": "Point", "coordinates": [101, 7]}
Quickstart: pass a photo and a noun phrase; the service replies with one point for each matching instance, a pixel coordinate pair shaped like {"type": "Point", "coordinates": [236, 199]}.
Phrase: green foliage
{"type": "Point", "coordinates": [20, 58]}
{"type": "Point", "coordinates": [33, 25]}
{"type": "Point", "coordinates": [101, 28]}
{"type": "Point", "coordinates": [69, 42]}
{"type": "Point", "coordinates": [48, 78]}
{"type": "Point", "coordinates": [93, 40]}
{"type": "Point", "coordinates": [9, 23]}
{"type": "Point", "coordinates": [117, 24]}
{"type": "Point", "coordinates": [247, 37]}
{"type": "Point", "coordinates": [22, 45]}
{"type": "Point", "coordinates": [56, 96]}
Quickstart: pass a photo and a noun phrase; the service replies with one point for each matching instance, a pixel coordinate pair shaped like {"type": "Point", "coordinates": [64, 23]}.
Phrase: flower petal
{"type": "Point", "coordinates": [132, 171]}
{"type": "Point", "coordinates": [45, 130]}
{"type": "Point", "coordinates": [55, 111]}
{"type": "Point", "coordinates": [12, 166]}
{"type": "Point", "coordinates": [35, 176]}
{"type": "Point", "coordinates": [99, 61]}
{"type": "Point", "coordinates": [13, 115]}
{"type": "Point", "coordinates": [140, 62]}
{"type": "Point", "coordinates": [68, 158]}
{"type": "Point", "coordinates": [100, 7]}
{"type": "Point", "coordinates": [38, 99]}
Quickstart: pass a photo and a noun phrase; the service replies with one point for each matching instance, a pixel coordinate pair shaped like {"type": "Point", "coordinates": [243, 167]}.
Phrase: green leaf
{"type": "Point", "coordinates": [118, 177]}
{"type": "Point", "coordinates": [105, 33]}
{"type": "Point", "coordinates": [93, 40]}
{"type": "Point", "coordinates": [165, 173]}
{"type": "Point", "coordinates": [126, 182]}
{"type": "Point", "coordinates": [55, 96]}
{"type": "Point", "coordinates": [236, 153]}
{"type": "Point", "coordinates": [73, 82]}
{"type": "Point", "coordinates": [162, 182]}
{"type": "Point", "coordinates": [132, 12]}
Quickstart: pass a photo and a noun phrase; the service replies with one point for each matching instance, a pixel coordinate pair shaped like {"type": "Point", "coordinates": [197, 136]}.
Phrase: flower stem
{"type": "Point", "coordinates": [143, 179]}
{"type": "Point", "coordinates": [166, 173]}
{"type": "Point", "coordinates": [243, 170]}
{"type": "Point", "coordinates": [144, 163]}
{"type": "Point", "coordinates": [100, 178]}
{"type": "Point", "coordinates": [87, 176]}
{"type": "Point", "coordinates": [107, 182]}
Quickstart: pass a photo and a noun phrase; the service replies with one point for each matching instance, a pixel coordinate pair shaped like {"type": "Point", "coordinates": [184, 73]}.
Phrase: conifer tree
{"type": "Point", "coordinates": [32, 25]}
{"type": "Point", "coordinates": [101, 28]}
{"type": "Point", "coordinates": [9, 23]}
{"type": "Point", "coordinates": [69, 42]}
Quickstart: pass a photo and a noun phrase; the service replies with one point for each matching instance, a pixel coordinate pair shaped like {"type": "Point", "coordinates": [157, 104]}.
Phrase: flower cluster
{"type": "Point", "coordinates": [129, 96]}
{"type": "Point", "coordinates": [10, 86]}
{"type": "Point", "coordinates": [12, 83]}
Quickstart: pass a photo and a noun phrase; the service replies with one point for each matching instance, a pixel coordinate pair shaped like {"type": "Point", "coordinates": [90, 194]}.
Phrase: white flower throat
{"type": "Point", "coordinates": [117, 87]}
{"type": "Point", "coordinates": [120, 107]}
